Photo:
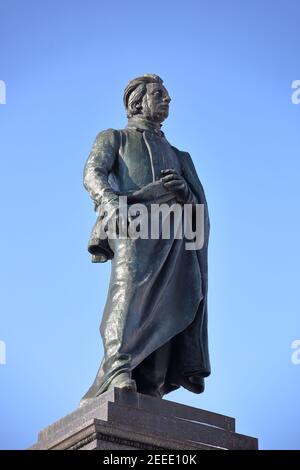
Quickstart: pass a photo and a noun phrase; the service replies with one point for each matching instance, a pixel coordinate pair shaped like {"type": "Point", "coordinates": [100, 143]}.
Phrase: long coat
{"type": "Point", "coordinates": [158, 289]}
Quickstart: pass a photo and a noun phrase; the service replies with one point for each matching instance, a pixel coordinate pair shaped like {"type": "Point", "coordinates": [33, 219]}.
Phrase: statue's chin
{"type": "Point", "coordinates": [160, 117]}
{"type": "Point", "coordinates": [156, 117]}
{"type": "Point", "coordinates": [164, 114]}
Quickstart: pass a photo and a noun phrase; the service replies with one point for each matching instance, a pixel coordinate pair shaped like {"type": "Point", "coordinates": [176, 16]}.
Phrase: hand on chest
{"type": "Point", "coordinates": [142, 156]}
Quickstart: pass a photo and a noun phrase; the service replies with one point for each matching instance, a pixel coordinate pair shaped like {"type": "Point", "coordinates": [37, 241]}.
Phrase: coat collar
{"type": "Point", "coordinates": [142, 124]}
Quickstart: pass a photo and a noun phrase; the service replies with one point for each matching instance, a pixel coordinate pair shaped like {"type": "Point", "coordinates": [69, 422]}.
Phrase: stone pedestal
{"type": "Point", "coordinates": [123, 420]}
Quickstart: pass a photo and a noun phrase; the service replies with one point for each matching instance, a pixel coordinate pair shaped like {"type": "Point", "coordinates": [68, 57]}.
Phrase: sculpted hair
{"type": "Point", "coordinates": [135, 92]}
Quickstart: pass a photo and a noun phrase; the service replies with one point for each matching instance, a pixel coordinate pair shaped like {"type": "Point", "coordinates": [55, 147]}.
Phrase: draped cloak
{"type": "Point", "coordinates": [158, 290]}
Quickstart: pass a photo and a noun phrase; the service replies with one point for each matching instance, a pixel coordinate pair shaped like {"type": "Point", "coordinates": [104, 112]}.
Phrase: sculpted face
{"type": "Point", "coordinates": [155, 104]}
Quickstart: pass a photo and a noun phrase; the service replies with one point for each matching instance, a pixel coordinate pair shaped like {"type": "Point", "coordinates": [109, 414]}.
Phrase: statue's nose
{"type": "Point", "coordinates": [167, 99]}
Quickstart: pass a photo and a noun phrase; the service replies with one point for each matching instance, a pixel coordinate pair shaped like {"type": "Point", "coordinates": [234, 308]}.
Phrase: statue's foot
{"type": "Point", "coordinates": [123, 380]}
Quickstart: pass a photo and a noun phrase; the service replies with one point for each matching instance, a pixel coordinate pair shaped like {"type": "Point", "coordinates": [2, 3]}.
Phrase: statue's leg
{"type": "Point", "coordinates": [151, 373]}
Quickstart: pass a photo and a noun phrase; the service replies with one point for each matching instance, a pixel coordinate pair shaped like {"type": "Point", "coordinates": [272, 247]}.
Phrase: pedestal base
{"type": "Point", "coordinates": [123, 420]}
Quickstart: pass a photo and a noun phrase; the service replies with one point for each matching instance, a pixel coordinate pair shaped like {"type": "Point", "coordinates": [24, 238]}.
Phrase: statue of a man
{"type": "Point", "coordinates": [154, 325]}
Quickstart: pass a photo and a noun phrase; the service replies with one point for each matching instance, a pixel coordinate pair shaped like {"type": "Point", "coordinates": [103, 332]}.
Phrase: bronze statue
{"type": "Point", "coordinates": [154, 325]}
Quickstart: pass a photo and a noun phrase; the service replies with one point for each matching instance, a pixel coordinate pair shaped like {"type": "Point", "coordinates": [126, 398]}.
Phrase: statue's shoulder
{"type": "Point", "coordinates": [115, 136]}
{"type": "Point", "coordinates": [107, 135]}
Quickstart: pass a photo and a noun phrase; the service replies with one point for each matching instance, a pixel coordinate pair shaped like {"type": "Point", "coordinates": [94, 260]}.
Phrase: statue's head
{"type": "Point", "coordinates": [147, 97]}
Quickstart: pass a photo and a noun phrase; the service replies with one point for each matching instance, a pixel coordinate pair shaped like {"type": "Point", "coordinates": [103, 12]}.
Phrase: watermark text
{"type": "Point", "coordinates": [153, 221]}
{"type": "Point", "coordinates": [296, 94]}
{"type": "Point", "coordinates": [295, 358]}
{"type": "Point", "coordinates": [2, 92]}
{"type": "Point", "coordinates": [2, 353]}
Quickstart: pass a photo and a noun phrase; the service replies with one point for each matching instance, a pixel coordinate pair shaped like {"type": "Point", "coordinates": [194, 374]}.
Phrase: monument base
{"type": "Point", "coordinates": [123, 420]}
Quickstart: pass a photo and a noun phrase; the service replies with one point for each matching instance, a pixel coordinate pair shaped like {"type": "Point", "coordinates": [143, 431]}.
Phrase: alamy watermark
{"type": "Point", "coordinates": [295, 357]}
{"type": "Point", "coordinates": [2, 353]}
{"type": "Point", "coordinates": [153, 221]}
{"type": "Point", "coordinates": [296, 94]}
{"type": "Point", "coordinates": [2, 92]}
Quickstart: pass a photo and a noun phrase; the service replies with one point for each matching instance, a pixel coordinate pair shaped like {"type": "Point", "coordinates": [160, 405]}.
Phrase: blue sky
{"type": "Point", "coordinates": [228, 67]}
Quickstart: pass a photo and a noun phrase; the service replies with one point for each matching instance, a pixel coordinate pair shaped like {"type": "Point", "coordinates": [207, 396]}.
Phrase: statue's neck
{"type": "Point", "coordinates": [144, 123]}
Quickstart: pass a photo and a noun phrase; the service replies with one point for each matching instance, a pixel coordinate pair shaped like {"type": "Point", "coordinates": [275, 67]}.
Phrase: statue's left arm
{"type": "Point", "coordinates": [98, 167]}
